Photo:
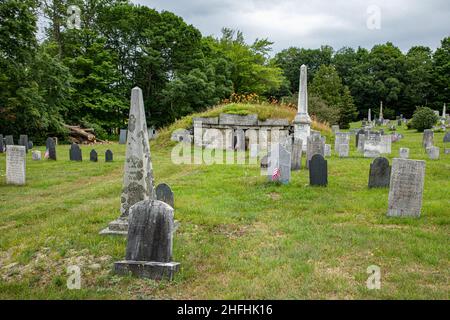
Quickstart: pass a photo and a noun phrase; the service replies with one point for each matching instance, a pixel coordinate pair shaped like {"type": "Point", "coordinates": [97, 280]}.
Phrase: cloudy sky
{"type": "Point", "coordinates": [311, 23]}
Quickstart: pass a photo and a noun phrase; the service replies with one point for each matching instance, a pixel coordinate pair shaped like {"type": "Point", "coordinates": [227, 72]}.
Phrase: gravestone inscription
{"type": "Point", "coordinates": [15, 165]}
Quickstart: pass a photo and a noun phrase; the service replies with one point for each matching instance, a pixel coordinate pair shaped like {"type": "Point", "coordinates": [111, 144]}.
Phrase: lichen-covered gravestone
{"type": "Point", "coordinates": [372, 146]}
{"type": "Point", "coordinates": [404, 153]}
{"type": "Point", "coordinates": [150, 242]}
{"type": "Point", "coordinates": [428, 138]}
{"type": "Point", "coordinates": [138, 182]}
{"type": "Point", "coordinates": [296, 156]}
{"type": "Point", "coordinates": [51, 148]}
{"type": "Point", "coordinates": [318, 171]}
{"type": "Point", "coordinates": [164, 193]}
{"type": "Point", "coordinates": [93, 156]}
{"type": "Point", "coordinates": [108, 156]}
{"type": "Point", "coordinates": [75, 153]}
{"type": "Point", "coordinates": [15, 165]}
{"type": "Point", "coordinates": [380, 173]}
{"type": "Point", "coordinates": [406, 188]}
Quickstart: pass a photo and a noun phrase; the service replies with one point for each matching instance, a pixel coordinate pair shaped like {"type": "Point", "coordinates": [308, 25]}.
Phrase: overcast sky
{"type": "Point", "coordinates": [311, 23]}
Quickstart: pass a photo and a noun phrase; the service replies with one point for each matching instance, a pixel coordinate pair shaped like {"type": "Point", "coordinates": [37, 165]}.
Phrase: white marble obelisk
{"type": "Point", "coordinates": [381, 112]}
{"type": "Point", "coordinates": [302, 121]}
{"type": "Point", "coordinates": [444, 111]}
{"type": "Point", "coordinates": [369, 116]}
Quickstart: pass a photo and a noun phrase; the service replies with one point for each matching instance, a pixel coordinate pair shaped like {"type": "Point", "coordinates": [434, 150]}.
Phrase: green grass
{"type": "Point", "coordinates": [240, 237]}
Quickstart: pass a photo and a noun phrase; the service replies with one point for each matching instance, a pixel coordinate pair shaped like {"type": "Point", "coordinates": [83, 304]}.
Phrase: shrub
{"type": "Point", "coordinates": [423, 118]}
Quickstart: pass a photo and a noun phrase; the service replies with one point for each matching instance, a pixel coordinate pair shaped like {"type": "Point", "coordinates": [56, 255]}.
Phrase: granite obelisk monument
{"type": "Point", "coordinates": [302, 121]}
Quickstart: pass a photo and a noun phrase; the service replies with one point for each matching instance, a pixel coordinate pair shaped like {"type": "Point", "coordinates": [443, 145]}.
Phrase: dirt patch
{"type": "Point", "coordinates": [274, 196]}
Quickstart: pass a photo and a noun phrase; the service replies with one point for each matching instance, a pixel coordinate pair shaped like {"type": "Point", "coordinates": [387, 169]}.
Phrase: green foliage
{"type": "Point", "coordinates": [423, 118]}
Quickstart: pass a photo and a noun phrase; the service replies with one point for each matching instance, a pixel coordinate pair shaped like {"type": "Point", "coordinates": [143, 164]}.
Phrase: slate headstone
{"type": "Point", "coordinates": [2, 144]}
{"type": "Point", "coordinates": [404, 153]}
{"type": "Point", "coordinates": [123, 136]}
{"type": "Point", "coordinates": [360, 131]}
{"type": "Point", "coordinates": [51, 148]}
{"type": "Point", "coordinates": [150, 242]}
{"type": "Point", "coordinates": [93, 156]}
{"type": "Point", "coordinates": [75, 153]}
{"type": "Point", "coordinates": [239, 136]}
{"type": "Point", "coordinates": [23, 141]}
{"type": "Point", "coordinates": [109, 156]}
{"type": "Point", "coordinates": [30, 145]}
{"type": "Point", "coordinates": [318, 171]}
{"type": "Point", "coordinates": [164, 193]}
{"type": "Point", "coordinates": [380, 173]}
{"type": "Point", "coordinates": [406, 188]}
{"type": "Point", "coordinates": [16, 165]}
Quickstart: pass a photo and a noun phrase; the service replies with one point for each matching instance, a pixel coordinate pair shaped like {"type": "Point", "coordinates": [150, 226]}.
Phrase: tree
{"type": "Point", "coordinates": [423, 118]}
{"type": "Point", "coordinates": [441, 74]}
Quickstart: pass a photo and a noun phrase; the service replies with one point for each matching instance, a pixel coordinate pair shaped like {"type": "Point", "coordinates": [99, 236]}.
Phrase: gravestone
{"type": "Point", "coordinates": [150, 242]}
{"type": "Point", "coordinates": [164, 193]}
{"type": "Point", "coordinates": [36, 155]}
{"type": "Point", "coordinates": [75, 153]}
{"type": "Point", "coordinates": [404, 153]}
{"type": "Point", "coordinates": [447, 137]}
{"type": "Point", "coordinates": [318, 171]}
{"type": "Point", "coordinates": [51, 148]}
{"type": "Point", "coordinates": [108, 156]}
{"type": "Point", "coordinates": [327, 150]}
{"type": "Point", "coordinates": [23, 141]}
{"type": "Point", "coordinates": [239, 136]}
{"type": "Point", "coordinates": [279, 165]}
{"type": "Point", "coordinates": [372, 146]}
{"type": "Point", "coordinates": [359, 132]}
{"type": "Point", "coordinates": [16, 165]}
{"type": "Point", "coordinates": [2, 144]}
{"type": "Point", "coordinates": [123, 136]}
{"type": "Point", "coordinates": [433, 153]}
{"type": "Point", "coordinates": [406, 188]}
{"type": "Point", "coordinates": [93, 156]}
{"type": "Point", "coordinates": [386, 144]}
{"type": "Point", "coordinates": [341, 138]}
{"type": "Point", "coordinates": [335, 128]}
{"type": "Point", "coordinates": [343, 150]}
{"type": "Point", "coordinates": [30, 145]}
{"type": "Point", "coordinates": [428, 137]}
{"type": "Point", "coordinates": [315, 145]}
{"type": "Point", "coordinates": [138, 184]}
{"type": "Point", "coordinates": [9, 140]}
{"type": "Point", "coordinates": [380, 173]}
{"type": "Point", "coordinates": [296, 159]}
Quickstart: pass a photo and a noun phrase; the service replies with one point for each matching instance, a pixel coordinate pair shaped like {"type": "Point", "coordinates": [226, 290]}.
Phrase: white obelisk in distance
{"type": "Point", "coordinates": [302, 121]}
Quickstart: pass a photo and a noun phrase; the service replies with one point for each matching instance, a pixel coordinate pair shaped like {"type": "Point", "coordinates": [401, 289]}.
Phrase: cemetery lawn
{"type": "Point", "coordinates": [240, 237]}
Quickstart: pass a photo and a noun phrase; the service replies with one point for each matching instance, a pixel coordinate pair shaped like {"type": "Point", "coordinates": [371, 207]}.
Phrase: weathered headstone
{"type": "Point", "coordinates": [123, 136]}
{"type": "Point", "coordinates": [433, 153]}
{"type": "Point", "coordinates": [296, 156]}
{"type": "Point", "coordinates": [344, 150]}
{"type": "Point", "coordinates": [358, 133]}
{"type": "Point", "coordinates": [51, 148]}
{"type": "Point", "coordinates": [279, 166]}
{"type": "Point", "coordinates": [108, 156]}
{"type": "Point", "coordinates": [2, 144]}
{"type": "Point", "coordinates": [239, 135]}
{"type": "Point", "coordinates": [342, 138]}
{"type": "Point", "coordinates": [93, 156]}
{"type": "Point", "coordinates": [380, 173]}
{"type": "Point", "coordinates": [406, 188]}
{"type": "Point", "coordinates": [150, 242]}
{"type": "Point", "coordinates": [327, 150]}
{"type": "Point", "coordinates": [23, 141]}
{"type": "Point", "coordinates": [75, 153]}
{"type": "Point", "coordinates": [428, 137]}
{"type": "Point", "coordinates": [404, 153]}
{"type": "Point", "coordinates": [138, 182]}
{"type": "Point", "coordinates": [386, 144]}
{"type": "Point", "coordinates": [372, 146]}
{"type": "Point", "coordinates": [447, 137]}
{"type": "Point", "coordinates": [164, 193]}
{"type": "Point", "coordinates": [16, 165]}
{"type": "Point", "coordinates": [9, 140]}
{"type": "Point", "coordinates": [314, 145]}
{"type": "Point", "coordinates": [36, 155]}
{"type": "Point", "coordinates": [318, 171]}
{"type": "Point", "coordinates": [335, 128]}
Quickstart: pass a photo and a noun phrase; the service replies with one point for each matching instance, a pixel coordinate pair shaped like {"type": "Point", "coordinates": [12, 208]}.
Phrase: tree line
{"type": "Point", "coordinates": [84, 75]}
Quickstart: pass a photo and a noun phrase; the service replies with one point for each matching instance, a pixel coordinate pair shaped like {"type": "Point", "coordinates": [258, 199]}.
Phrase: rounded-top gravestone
{"type": "Point", "coordinates": [51, 148]}
{"type": "Point", "coordinates": [108, 156]}
{"type": "Point", "coordinates": [380, 173]}
{"type": "Point", "coordinates": [93, 156]}
{"type": "Point", "coordinates": [318, 171]}
{"type": "Point", "coordinates": [75, 153]}
{"type": "Point", "coordinates": [164, 193]}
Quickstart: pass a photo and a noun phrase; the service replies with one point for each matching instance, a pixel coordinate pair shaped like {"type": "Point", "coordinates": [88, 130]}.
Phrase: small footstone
{"type": "Point", "coordinates": [164, 193]}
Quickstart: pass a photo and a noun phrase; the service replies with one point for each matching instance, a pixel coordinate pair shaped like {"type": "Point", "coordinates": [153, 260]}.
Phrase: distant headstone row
{"type": "Point", "coordinates": [75, 154]}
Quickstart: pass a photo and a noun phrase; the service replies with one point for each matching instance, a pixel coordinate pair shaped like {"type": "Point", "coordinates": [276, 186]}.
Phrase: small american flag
{"type": "Point", "coordinates": [46, 155]}
{"type": "Point", "coordinates": [276, 174]}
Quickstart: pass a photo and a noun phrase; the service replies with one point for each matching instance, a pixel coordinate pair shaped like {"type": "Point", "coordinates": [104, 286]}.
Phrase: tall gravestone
{"type": "Point", "coordinates": [404, 153]}
{"type": "Point", "coordinates": [279, 166]}
{"type": "Point", "coordinates": [75, 153]}
{"type": "Point", "coordinates": [302, 121]}
{"type": "Point", "coordinates": [51, 148]}
{"type": "Point", "coordinates": [428, 138]}
{"type": "Point", "coordinates": [342, 138]}
{"type": "Point", "coordinates": [123, 136]}
{"type": "Point", "coordinates": [138, 184]}
{"type": "Point", "coordinates": [16, 165]}
{"type": "Point", "coordinates": [108, 156]}
{"type": "Point", "coordinates": [2, 144]}
{"type": "Point", "coordinates": [296, 156]}
{"type": "Point", "coordinates": [9, 140]}
{"type": "Point", "coordinates": [406, 188]}
{"type": "Point", "coordinates": [150, 242]}
{"type": "Point", "coordinates": [23, 141]}
{"type": "Point", "coordinates": [318, 171]}
{"type": "Point", "coordinates": [93, 156]}
{"type": "Point", "coordinates": [164, 193]}
{"type": "Point", "coordinates": [315, 145]}
{"type": "Point", "coordinates": [386, 144]}
{"type": "Point", "coordinates": [380, 173]}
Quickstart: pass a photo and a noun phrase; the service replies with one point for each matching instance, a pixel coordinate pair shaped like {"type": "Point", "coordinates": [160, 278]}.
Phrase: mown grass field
{"type": "Point", "coordinates": [240, 237]}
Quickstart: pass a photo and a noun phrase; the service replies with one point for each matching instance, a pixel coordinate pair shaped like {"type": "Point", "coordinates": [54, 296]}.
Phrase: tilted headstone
{"type": "Point", "coordinates": [380, 173]}
{"type": "Point", "coordinates": [108, 156]}
{"type": "Point", "coordinates": [433, 153]}
{"type": "Point", "coordinates": [164, 193]}
{"type": "Point", "coordinates": [327, 150]}
{"type": "Point", "coordinates": [51, 148]}
{"type": "Point", "coordinates": [315, 145]}
{"type": "Point", "coordinates": [123, 136]}
{"type": "Point", "coordinates": [16, 165]}
{"type": "Point", "coordinates": [36, 155]}
{"type": "Point", "coordinates": [296, 156]}
{"type": "Point", "coordinates": [23, 141]}
{"type": "Point", "coordinates": [150, 242]}
{"type": "Point", "coordinates": [279, 166]}
{"type": "Point", "coordinates": [9, 140]}
{"type": "Point", "coordinates": [404, 153]}
{"type": "Point", "coordinates": [75, 153]}
{"type": "Point", "coordinates": [318, 171]}
{"type": "Point", "coordinates": [344, 150]}
{"type": "Point", "coordinates": [2, 144]}
{"type": "Point", "coordinates": [138, 184]}
{"type": "Point", "coordinates": [341, 138]}
{"type": "Point", "coordinates": [428, 137]}
{"type": "Point", "coordinates": [406, 188]}
{"type": "Point", "coordinates": [447, 137]}
{"type": "Point", "coordinates": [93, 156]}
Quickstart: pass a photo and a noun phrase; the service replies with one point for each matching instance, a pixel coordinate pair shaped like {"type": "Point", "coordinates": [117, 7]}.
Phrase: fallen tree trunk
{"type": "Point", "coordinates": [82, 136]}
